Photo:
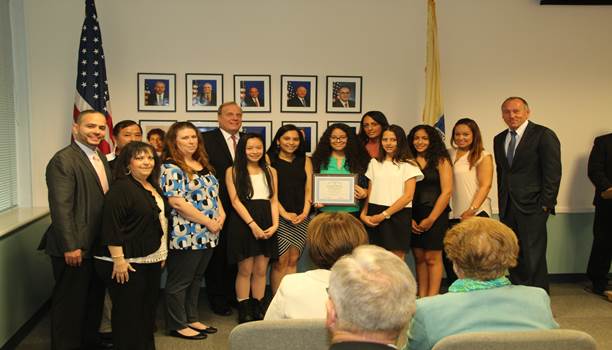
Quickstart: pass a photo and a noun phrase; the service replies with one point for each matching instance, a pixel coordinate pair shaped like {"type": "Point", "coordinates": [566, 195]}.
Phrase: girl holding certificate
{"type": "Point", "coordinates": [251, 185]}
{"type": "Point", "coordinates": [392, 179]}
{"type": "Point", "coordinates": [339, 152]}
{"type": "Point", "coordinates": [430, 208]}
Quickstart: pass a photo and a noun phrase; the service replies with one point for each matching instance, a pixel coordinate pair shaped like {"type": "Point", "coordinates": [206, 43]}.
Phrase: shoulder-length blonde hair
{"type": "Point", "coordinates": [171, 151]}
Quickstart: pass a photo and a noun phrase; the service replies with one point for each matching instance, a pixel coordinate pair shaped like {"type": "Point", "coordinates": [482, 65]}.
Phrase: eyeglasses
{"type": "Point", "coordinates": [338, 139]}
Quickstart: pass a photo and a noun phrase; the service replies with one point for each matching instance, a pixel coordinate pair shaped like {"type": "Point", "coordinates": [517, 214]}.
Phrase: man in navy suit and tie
{"type": "Point", "coordinates": [254, 100]}
{"type": "Point", "coordinates": [300, 99]}
{"type": "Point", "coordinates": [159, 96]}
{"type": "Point", "coordinates": [528, 161]}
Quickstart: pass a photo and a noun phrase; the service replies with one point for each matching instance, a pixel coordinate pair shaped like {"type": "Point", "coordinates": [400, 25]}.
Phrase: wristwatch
{"type": "Point", "coordinates": [386, 215]}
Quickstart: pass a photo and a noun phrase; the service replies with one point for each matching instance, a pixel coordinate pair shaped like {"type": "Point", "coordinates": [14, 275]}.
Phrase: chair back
{"type": "Point", "coordinates": [280, 334]}
{"type": "Point", "coordinates": [557, 339]}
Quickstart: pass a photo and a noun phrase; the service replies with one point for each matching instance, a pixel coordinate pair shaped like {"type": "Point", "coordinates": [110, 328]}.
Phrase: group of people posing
{"type": "Point", "coordinates": [219, 205]}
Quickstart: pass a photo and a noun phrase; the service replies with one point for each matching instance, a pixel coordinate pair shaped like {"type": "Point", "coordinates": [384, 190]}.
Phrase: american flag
{"type": "Point", "coordinates": [290, 90]}
{"type": "Point", "coordinates": [336, 87]}
{"type": "Point", "coordinates": [91, 84]}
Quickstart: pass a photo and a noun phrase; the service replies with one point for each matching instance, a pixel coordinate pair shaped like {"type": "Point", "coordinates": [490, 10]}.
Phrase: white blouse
{"type": "Point", "coordinates": [260, 186]}
{"type": "Point", "coordinates": [465, 185]}
{"type": "Point", "coordinates": [388, 180]}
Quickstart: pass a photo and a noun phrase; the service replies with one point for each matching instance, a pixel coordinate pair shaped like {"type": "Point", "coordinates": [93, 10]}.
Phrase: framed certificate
{"type": "Point", "coordinates": [334, 189]}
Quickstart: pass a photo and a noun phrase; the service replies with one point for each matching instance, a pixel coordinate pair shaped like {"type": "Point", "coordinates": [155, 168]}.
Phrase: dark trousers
{"type": "Point", "coordinates": [185, 271]}
{"type": "Point", "coordinates": [451, 276]}
{"type": "Point", "coordinates": [530, 229]}
{"type": "Point", "coordinates": [134, 305]}
{"type": "Point", "coordinates": [601, 251]}
{"type": "Point", "coordinates": [220, 275]}
{"type": "Point", "coordinates": [76, 305]}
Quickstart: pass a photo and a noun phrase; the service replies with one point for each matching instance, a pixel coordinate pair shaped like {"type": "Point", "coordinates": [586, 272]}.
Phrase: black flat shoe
{"type": "Point", "coordinates": [207, 330]}
{"type": "Point", "coordinates": [199, 336]}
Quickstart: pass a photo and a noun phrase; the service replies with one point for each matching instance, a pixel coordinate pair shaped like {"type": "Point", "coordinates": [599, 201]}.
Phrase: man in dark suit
{"type": "Point", "coordinates": [600, 174]}
{"type": "Point", "coordinates": [220, 145]}
{"type": "Point", "coordinates": [208, 97]}
{"type": "Point", "coordinates": [343, 100]}
{"type": "Point", "coordinates": [528, 161]}
{"type": "Point", "coordinates": [253, 100]}
{"type": "Point", "coordinates": [300, 99]}
{"type": "Point", "coordinates": [159, 97]}
{"type": "Point", "coordinates": [78, 176]}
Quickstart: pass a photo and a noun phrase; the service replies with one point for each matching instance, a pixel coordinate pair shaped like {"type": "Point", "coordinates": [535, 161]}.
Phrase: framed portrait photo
{"type": "Point", "coordinates": [205, 125]}
{"type": "Point", "coordinates": [353, 125]}
{"type": "Point", "coordinates": [309, 130]}
{"type": "Point", "coordinates": [299, 93]}
{"type": "Point", "coordinates": [343, 94]}
{"type": "Point", "coordinates": [252, 92]}
{"type": "Point", "coordinates": [203, 92]}
{"type": "Point", "coordinates": [263, 128]}
{"type": "Point", "coordinates": [156, 92]}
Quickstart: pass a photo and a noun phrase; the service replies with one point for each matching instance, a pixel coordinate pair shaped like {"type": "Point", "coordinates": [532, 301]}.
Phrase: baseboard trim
{"type": "Point", "coordinates": [27, 328]}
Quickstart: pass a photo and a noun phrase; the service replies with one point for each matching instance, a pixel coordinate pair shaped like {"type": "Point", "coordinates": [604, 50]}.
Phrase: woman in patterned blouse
{"type": "Point", "coordinates": [196, 219]}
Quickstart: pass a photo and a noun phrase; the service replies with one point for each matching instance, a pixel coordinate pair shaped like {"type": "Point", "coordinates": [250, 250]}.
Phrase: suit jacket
{"type": "Point", "coordinates": [337, 103]}
{"type": "Point", "coordinates": [75, 201]}
{"type": "Point", "coordinates": [533, 180]}
{"type": "Point", "coordinates": [152, 100]}
{"type": "Point", "coordinates": [600, 167]}
{"type": "Point", "coordinates": [295, 102]}
{"type": "Point", "coordinates": [251, 103]}
{"type": "Point", "coordinates": [199, 100]}
{"type": "Point", "coordinates": [220, 158]}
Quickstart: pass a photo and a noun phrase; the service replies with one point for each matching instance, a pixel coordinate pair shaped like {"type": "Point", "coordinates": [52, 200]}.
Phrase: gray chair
{"type": "Point", "coordinates": [280, 334]}
{"type": "Point", "coordinates": [557, 339]}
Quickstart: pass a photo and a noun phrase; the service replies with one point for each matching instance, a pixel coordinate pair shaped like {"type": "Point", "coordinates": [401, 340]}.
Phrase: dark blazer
{"type": "Point", "coordinates": [600, 167]}
{"type": "Point", "coordinates": [337, 103]}
{"type": "Point", "coordinates": [75, 201]}
{"type": "Point", "coordinates": [213, 99]}
{"type": "Point", "coordinates": [251, 103]}
{"type": "Point", "coordinates": [295, 102]}
{"type": "Point", "coordinates": [220, 158]}
{"type": "Point", "coordinates": [533, 180]}
{"type": "Point", "coordinates": [152, 100]}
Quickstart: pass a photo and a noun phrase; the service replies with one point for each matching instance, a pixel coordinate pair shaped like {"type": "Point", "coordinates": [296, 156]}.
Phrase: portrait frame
{"type": "Point", "coordinates": [311, 134]}
{"type": "Point", "coordinates": [261, 127]}
{"type": "Point", "coordinates": [148, 124]}
{"type": "Point", "coordinates": [205, 125]}
{"type": "Point", "coordinates": [146, 85]}
{"type": "Point", "coordinates": [290, 102]}
{"type": "Point", "coordinates": [243, 83]}
{"type": "Point", "coordinates": [353, 124]}
{"type": "Point", "coordinates": [322, 181]}
{"type": "Point", "coordinates": [194, 84]}
{"type": "Point", "coordinates": [334, 84]}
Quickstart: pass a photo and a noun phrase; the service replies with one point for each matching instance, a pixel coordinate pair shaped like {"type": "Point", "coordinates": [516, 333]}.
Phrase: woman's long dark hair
{"type": "Point", "coordinates": [476, 147]}
{"type": "Point", "coordinates": [129, 152]}
{"type": "Point", "coordinates": [378, 117]}
{"type": "Point", "coordinates": [274, 149]}
{"type": "Point", "coordinates": [356, 156]}
{"type": "Point", "coordinates": [402, 153]}
{"type": "Point", "coordinates": [436, 151]}
{"type": "Point", "coordinates": [242, 180]}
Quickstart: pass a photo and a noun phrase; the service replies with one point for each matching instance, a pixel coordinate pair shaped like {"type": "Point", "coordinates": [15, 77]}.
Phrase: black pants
{"type": "Point", "coordinates": [220, 275]}
{"type": "Point", "coordinates": [601, 251]}
{"type": "Point", "coordinates": [134, 305]}
{"type": "Point", "coordinates": [451, 276]}
{"type": "Point", "coordinates": [185, 271]}
{"type": "Point", "coordinates": [76, 305]}
{"type": "Point", "coordinates": [530, 229]}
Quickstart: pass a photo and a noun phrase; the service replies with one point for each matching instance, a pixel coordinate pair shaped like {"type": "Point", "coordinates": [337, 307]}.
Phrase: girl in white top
{"type": "Point", "coordinates": [392, 179]}
{"type": "Point", "coordinates": [472, 172]}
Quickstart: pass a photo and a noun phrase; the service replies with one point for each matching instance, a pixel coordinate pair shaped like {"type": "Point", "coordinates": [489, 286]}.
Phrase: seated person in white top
{"type": "Point", "coordinates": [303, 295]}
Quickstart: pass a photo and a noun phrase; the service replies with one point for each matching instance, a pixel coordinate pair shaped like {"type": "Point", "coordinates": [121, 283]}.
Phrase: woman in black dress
{"type": "Point", "coordinates": [430, 206]}
{"type": "Point", "coordinates": [287, 155]}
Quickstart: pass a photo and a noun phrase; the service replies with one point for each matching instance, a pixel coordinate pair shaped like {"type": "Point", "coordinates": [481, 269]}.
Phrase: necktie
{"type": "Point", "coordinates": [160, 100]}
{"type": "Point", "coordinates": [345, 104]}
{"type": "Point", "coordinates": [233, 137]}
{"type": "Point", "coordinates": [511, 147]}
{"type": "Point", "coordinates": [256, 102]}
{"type": "Point", "coordinates": [99, 166]}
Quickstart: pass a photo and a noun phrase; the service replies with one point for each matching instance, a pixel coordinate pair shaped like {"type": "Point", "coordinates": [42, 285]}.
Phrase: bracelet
{"type": "Point", "coordinates": [117, 256]}
{"type": "Point", "coordinates": [250, 222]}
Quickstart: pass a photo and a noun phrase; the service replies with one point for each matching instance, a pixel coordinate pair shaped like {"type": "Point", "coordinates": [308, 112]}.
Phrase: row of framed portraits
{"type": "Point", "coordinates": [262, 127]}
{"type": "Point", "coordinates": [204, 93]}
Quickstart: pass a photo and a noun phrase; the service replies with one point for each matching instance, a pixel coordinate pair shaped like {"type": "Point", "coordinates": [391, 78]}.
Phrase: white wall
{"type": "Point", "coordinates": [558, 58]}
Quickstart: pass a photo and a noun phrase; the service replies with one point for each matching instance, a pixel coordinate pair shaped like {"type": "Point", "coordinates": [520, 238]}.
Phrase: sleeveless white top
{"type": "Point", "coordinates": [465, 185]}
{"type": "Point", "coordinates": [260, 186]}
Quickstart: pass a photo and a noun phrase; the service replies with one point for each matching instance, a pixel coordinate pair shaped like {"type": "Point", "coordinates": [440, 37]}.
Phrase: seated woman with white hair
{"type": "Point", "coordinates": [303, 295]}
{"type": "Point", "coordinates": [482, 299]}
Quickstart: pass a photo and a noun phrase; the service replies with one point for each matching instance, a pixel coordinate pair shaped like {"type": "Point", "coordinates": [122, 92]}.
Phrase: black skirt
{"type": "Point", "coordinates": [393, 233]}
{"type": "Point", "coordinates": [434, 237]}
{"type": "Point", "coordinates": [241, 244]}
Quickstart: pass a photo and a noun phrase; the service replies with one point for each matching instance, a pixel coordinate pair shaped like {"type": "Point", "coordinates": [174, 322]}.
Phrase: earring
{"type": "Point", "coordinates": [129, 171]}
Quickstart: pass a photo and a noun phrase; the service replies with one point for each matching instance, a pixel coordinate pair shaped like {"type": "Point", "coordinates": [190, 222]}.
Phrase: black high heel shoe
{"type": "Point", "coordinates": [207, 330]}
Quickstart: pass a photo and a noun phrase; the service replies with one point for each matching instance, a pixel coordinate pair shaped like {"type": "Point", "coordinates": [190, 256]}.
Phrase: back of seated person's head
{"type": "Point", "coordinates": [481, 248]}
{"type": "Point", "coordinates": [332, 235]}
{"type": "Point", "coordinates": [371, 291]}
